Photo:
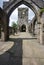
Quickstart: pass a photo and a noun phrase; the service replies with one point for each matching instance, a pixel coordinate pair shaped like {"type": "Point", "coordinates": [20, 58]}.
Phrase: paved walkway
{"type": "Point", "coordinates": [25, 51]}
{"type": "Point", "coordinates": [5, 46]}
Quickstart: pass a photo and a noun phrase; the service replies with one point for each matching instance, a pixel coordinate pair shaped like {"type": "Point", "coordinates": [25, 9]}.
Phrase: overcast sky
{"type": "Point", "coordinates": [14, 15]}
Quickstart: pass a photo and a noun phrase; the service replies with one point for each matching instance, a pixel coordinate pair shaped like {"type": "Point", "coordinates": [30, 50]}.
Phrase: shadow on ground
{"type": "Point", "coordinates": [14, 55]}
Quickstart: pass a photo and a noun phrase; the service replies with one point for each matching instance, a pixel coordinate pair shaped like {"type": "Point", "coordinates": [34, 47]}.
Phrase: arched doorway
{"type": "Point", "coordinates": [11, 8]}
{"type": "Point", "coordinates": [23, 28]}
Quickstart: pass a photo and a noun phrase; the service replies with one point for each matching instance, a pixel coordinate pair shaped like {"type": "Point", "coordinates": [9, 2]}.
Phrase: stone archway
{"type": "Point", "coordinates": [23, 28]}
{"type": "Point", "coordinates": [33, 4]}
{"type": "Point", "coordinates": [10, 8]}
{"type": "Point", "coordinates": [13, 4]}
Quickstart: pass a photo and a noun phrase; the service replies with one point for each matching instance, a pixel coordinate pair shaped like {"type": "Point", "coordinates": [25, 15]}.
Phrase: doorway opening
{"type": "Point", "coordinates": [23, 28]}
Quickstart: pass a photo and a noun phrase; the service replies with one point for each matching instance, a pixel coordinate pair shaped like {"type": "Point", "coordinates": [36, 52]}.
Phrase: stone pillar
{"type": "Point", "coordinates": [26, 28]}
{"type": "Point", "coordinates": [42, 29]}
{"type": "Point", "coordinates": [38, 31]}
{"type": "Point", "coordinates": [38, 27]}
{"type": "Point", "coordinates": [33, 29]}
{"type": "Point", "coordinates": [2, 36]}
{"type": "Point", "coordinates": [6, 28]}
{"type": "Point", "coordinates": [0, 30]}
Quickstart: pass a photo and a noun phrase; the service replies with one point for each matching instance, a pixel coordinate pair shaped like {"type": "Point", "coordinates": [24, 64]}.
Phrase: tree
{"type": "Point", "coordinates": [14, 26]}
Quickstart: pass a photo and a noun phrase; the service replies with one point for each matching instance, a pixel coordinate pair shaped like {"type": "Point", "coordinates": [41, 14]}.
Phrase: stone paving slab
{"type": "Point", "coordinates": [35, 50]}
{"type": "Point", "coordinates": [4, 46]}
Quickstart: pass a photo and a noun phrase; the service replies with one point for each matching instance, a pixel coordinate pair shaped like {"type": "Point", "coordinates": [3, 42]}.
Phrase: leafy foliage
{"type": "Point", "coordinates": [42, 10]}
{"type": "Point", "coordinates": [14, 25]}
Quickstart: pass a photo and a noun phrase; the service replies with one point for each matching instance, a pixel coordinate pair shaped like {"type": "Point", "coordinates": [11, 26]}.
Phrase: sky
{"type": "Point", "coordinates": [1, 2]}
{"type": "Point", "coordinates": [14, 15]}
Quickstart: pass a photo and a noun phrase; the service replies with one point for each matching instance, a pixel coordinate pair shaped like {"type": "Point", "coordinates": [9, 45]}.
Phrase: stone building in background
{"type": "Point", "coordinates": [23, 19]}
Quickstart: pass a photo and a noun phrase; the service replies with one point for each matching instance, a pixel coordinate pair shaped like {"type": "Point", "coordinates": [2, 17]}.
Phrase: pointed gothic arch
{"type": "Point", "coordinates": [10, 8]}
